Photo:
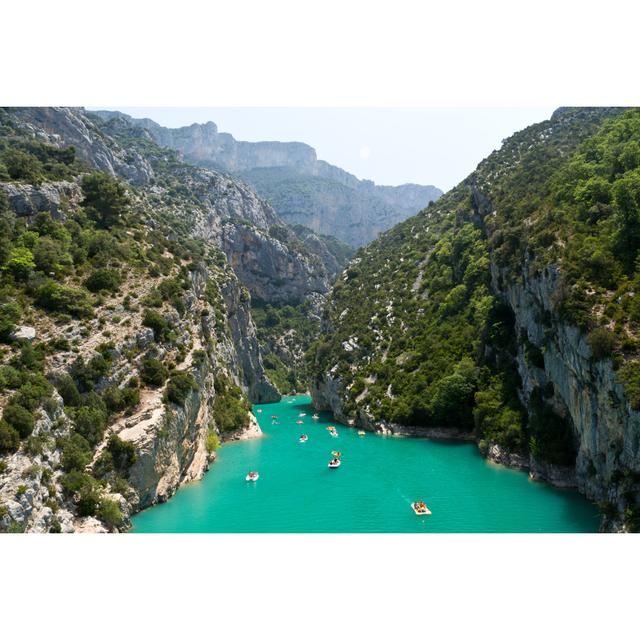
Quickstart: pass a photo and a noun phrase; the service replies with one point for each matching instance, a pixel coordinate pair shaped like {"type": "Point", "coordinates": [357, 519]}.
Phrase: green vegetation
{"type": "Point", "coordinates": [9, 438]}
{"type": "Point", "coordinates": [103, 280]}
{"type": "Point", "coordinates": [153, 372]}
{"type": "Point", "coordinates": [213, 441]}
{"type": "Point", "coordinates": [109, 512]}
{"type": "Point", "coordinates": [105, 199]}
{"type": "Point", "coordinates": [286, 332]}
{"type": "Point", "coordinates": [418, 336]}
{"type": "Point", "coordinates": [162, 329]}
{"type": "Point", "coordinates": [230, 408]}
{"type": "Point", "coordinates": [180, 384]}
{"type": "Point", "coordinates": [30, 160]}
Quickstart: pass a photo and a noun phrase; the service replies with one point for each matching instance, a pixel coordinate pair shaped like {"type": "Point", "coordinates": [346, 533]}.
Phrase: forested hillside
{"type": "Point", "coordinates": [507, 309]}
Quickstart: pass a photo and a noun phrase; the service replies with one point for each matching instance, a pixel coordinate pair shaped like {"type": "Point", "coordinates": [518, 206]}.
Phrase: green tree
{"type": "Point", "coordinates": [105, 199]}
{"type": "Point", "coordinates": [20, 263]}
{"type": "Point", "coordinates": [19, 418]}
{"type": "Point", "coordinates": [626, 195]}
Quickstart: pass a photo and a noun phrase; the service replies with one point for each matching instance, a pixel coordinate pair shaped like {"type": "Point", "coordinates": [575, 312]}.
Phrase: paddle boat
{"type": "Point", "coordinates": [299, 421]}
{"type": "Point", "coordinates": [361, 433]}
{"type": "Point", "coordinates": [334, 464]}
{"type": "Point", "coordinates": [304, 438]}
{"type": "Point", "coordinates": [315, 416]}
{"type": "Point", "coordinates": [420, 508]}
{"type": "Point", "coordinates": [336, 454]}
{"type": "Point", "coordinates": [333, 434]}
{"type": "Point", "coordinates": [302, 415]}
{"type": "Point", "coordinates": [274, 417]}
{"type": "Point", "coordinates": [252, 476]}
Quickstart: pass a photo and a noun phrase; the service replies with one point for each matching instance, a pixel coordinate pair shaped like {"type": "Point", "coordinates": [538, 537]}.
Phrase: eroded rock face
{"type": "Point", "coordinates": [28, 200]}
{"type": "Point", "coordinates": [69, 126]}
{"type": "Point", "coordinates": [269, 269]}
{"type": "Point", "coordinates": [30, 489]}
{"type": "Point", "coordinates": [586, 391]}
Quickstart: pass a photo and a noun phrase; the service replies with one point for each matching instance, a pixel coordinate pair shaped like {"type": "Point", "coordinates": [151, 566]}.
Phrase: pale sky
{"type": "Point", "coordinates": [390, 146]}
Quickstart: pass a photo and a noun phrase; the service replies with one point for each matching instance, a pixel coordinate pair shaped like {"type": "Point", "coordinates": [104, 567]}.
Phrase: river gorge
{"type": "Point", "coordinates": [372, 491]}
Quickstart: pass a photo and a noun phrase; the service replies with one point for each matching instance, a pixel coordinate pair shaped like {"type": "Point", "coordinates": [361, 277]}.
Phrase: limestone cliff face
{"type": "Point", "coordinates": [67, 126]}
{"type": "Point", "coordinates": [282, 277]}
{"type": "Point", "coordinates": [585, 391]}
{"type": "Point", "coordinates": [28, 200]}
{"type": "Point", "coordinates": [302, 189]}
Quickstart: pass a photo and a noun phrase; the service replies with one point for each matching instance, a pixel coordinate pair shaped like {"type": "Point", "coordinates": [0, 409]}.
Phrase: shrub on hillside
{"type": "Point", "coordinates": [179, 386]}
{"type": "Point", "coordinates": [160, 325]}
{"type": "Point", "coordinates": [52, 296]}
{"type": "Point", "coordinates": [103, 280]}
{"type": "Point", "coordinates": [153, 372]}
{"type": "Point", "coordinates": [109, 512]}
{"type": "Point", "coordinates": [20, 419]}
{"type": "Point", "coordinates": [601, 342]}
{"type": "Point", "coordinates": [9, 438]}
{"type": "Point", "coordinates": [76, 453]}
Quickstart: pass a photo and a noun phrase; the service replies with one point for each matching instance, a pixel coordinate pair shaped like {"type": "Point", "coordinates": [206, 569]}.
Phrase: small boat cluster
{"type": "Point", "coordinates": [419, 507]}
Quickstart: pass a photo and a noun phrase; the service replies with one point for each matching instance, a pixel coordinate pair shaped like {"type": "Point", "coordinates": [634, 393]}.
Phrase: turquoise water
{"type": "Point", "coordinates": [371, 491]}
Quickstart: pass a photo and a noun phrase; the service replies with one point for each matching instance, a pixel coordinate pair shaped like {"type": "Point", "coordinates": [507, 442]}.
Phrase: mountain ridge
{"type": "Point", "coordinates": [303, 189]}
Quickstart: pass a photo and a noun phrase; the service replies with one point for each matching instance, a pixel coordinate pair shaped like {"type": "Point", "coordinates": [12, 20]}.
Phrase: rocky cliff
{"type": "Point", "coordinates": [145, 327]}
{"type": "Point", "coordinates": [302, 189]}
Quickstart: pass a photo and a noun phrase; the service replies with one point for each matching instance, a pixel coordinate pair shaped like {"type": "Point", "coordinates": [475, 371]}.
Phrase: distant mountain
{"type": "Point", "coordinates": [302, 189]}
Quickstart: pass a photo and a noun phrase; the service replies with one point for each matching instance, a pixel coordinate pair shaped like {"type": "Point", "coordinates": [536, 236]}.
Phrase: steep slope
{"type": "Point", "coordinates": [507, 310]}
{"type": "Point", "coordinates": [129, 349]}
{"type": "Point", "coordinates": [302, 189]}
